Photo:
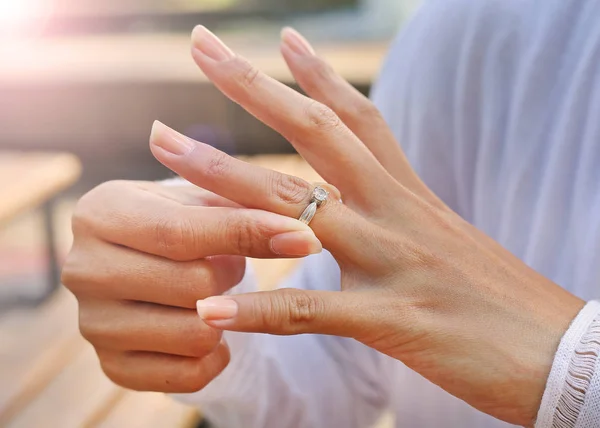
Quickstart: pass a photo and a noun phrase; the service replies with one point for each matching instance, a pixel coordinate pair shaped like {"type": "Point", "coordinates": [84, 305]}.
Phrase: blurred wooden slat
{"type": "Point", "coordinates": [75, 398]}
{"type": "Point", "coordinates": [149, 410]}
{"type": "Point", "coordinates": [161, 58]}
{"type": "Point", "coordinates": [30, 179]}
{"type": "Point", "coordinates": [35, 345]}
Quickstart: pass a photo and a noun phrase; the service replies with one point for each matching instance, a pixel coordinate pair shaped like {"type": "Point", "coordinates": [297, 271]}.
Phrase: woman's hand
{"type": "Point", "coordinates": [418, 282]}
{"type": "Point", "coordinates": [141, 259]}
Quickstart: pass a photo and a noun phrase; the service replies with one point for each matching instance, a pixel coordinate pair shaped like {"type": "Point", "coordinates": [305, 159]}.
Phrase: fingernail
{"type": "Point", "coordinates": [296, 244]}
{"type": "Point", "coordinates": [210, 45]}
{"type": "Point", "coordinates": [217, 308]}
{"type": "Point", "coordinates": [295, 41]}
{"type": "Point", "coordinates": [170, 140]}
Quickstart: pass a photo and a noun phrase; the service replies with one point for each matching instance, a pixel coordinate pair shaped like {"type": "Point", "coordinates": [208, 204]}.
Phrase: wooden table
{"type": "Point", "coordinates": [51, 377]}
{"type": "Point", "coordinates": [31, 181]}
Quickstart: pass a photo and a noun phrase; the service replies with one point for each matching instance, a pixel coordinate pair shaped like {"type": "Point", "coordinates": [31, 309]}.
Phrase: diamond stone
{"type": "Point", "coordinates": [320, 194]}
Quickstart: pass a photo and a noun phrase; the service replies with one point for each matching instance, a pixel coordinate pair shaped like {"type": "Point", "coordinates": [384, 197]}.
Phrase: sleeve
{"type": "Point", "coordinates": [572, 395]}
{"type": "Point", "coordinates": [297, 381]}
{"type": "Point", "coordinates": [441, 91]}
{"type": "Point", "coordinates": [415, 94]}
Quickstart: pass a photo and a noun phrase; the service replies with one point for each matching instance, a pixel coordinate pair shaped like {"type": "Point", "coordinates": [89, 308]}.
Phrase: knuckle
{"type": "Point", "coordinates": [207, 369]}
{"type": "Point", "coordinates": [70, 275]}
{"type": "Point", "coordinates": [248, 73]}
{"type": "Point", "coordinates": [91, 273]}
{"type": "Point", "coordinates": [302, 308]}
{"type": "Point", "coordinates": [86, 213]}
{"type": "Point", "coordinates": [366, 110]}
{"type": "Point", "coordinates": [197, 381]}
{"type": "Point", "coordinates": [321, 118]}
{"type": "Point", "coordinates": [173, 235]}
{"type": "Point", "coordinates": [198, 378]}
{"type": "Point", "coordinates": [88, 329]}
{"type": "Point", "coordinates": [218, 165]}
{"type": "Point", "coordinates": [205, 339]}
{"type": "Point", "coordinates": [112, 367]}
{"type": "Point", "coordinates": [82, 272]}
{"type": "Point", "coordinates": [195, 277]}
{"type": "Point", "coordinates": [322, 70]}
{"type": "Point", "coordinates": [222, 274]}
{"type": "Point", "coordinates": [237, 272]}
{"type": "Point", "coordinates": [289, 189]}
{"type": "Point", "coordinates": [319, 75]}
{"type": "Point", "coordinates": [84, 217]}
{"type": "Point", "coordinates": [423, 258]}
{"type": "Point", "coordinates": [243, 233]}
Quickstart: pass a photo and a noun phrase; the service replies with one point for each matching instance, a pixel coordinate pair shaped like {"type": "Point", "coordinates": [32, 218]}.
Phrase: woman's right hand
{"type": "Point", "coordinates": [142, 257]}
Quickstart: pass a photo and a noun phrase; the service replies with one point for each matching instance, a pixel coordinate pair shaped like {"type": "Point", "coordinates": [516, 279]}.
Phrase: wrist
{"type": "Point", "coordinates": [559, 312]}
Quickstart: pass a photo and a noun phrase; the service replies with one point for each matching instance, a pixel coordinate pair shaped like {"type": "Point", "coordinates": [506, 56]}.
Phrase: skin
{"type": "Point", "coordinates": [418, 282]}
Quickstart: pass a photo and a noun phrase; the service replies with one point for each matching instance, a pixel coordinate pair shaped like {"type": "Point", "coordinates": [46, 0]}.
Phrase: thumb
{"type": "Point", "coordinates": [285, 311]}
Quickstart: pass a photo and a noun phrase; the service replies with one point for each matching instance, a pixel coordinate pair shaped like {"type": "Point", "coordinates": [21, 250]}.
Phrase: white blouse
{"type": "Point", "coordinates": [497, 105]}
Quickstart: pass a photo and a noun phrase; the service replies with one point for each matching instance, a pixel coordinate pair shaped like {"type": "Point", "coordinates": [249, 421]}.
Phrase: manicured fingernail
{"type": "Point", "coordinates": [170, 140]}
{"type": "Point", "coordinates": [296, 244]}
{"type": "Point", "coordinates": [295, 41]}
{"type": "Point", "coordinates": [210, 45]}
{"type": "Point", "coordinates": [217, 308]}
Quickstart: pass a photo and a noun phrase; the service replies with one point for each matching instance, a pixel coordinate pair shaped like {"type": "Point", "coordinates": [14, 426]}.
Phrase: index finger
{"type": "Point", "coordinates": [148, 223]}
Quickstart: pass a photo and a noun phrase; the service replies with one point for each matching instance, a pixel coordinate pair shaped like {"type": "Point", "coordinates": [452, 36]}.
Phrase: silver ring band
{"type": "Point", "coordinates": [319, 196]}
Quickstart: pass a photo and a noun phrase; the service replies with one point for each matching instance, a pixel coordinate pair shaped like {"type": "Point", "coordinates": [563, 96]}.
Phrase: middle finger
{"type": "Point", "coordinates": [312, 128]}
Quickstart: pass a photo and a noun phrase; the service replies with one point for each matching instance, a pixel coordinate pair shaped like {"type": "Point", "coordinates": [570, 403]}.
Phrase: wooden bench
{"type": "Point", "coordinates": [51, 377]}
{"type": "Point", "coordinates": [32, 181]}
{"type": "Point", "coordinates": [28, 180]}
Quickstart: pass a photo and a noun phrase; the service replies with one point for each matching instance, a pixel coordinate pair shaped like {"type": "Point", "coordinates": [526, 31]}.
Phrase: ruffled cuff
{"type": "Point", "coordinates": [573, 389]}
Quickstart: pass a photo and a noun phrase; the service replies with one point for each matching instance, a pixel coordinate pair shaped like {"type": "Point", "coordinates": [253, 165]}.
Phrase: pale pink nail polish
{"type": "Point", "coordinates": [296, 244]}
{"type": "Point", "coordinates": [210, 45]}
{"type": "Point", "coordinates": [295, 41]}
{"type": "Point", "coordinates": [217, 308]}
{"type": "Point", "coordinates": [170, 140]}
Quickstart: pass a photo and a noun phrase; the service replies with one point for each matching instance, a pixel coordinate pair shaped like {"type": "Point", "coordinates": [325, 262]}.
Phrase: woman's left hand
{"type": "Point", "coordinates": [418, 282]}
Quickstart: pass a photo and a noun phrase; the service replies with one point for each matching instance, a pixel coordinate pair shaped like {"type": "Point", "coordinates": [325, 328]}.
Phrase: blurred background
{"type": "Point", "coordinates": [81, 82]}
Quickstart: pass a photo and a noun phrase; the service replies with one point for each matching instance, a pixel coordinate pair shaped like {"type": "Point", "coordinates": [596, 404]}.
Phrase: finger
{"type": "Point", "coordinates": [148, 223]}
{"type": "Point", "coordinates": [187, 194]}
{"type": "Point", "coordinates": [136, 326]}
{"type": "Point", "coordinates": [320, 81]}
{"type": "Point", "coordinates": [290, 311]}
{"type": "Point", "coordinates": [256, 187]}
{"type": "Point", "coordinates": [107, 271]}
{"type": "Point", "coordinates": [314, 130]}
{"type": "Point", "coordinates": [142, 371]}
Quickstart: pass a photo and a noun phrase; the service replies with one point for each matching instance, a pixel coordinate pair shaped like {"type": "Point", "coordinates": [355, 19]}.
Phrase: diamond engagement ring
{"type": "Point", "coordinates": [319, 195]}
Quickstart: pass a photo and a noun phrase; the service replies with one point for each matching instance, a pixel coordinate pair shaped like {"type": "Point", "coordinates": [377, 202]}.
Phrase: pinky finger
{"type": "Point", "coordinates": [147, 371]}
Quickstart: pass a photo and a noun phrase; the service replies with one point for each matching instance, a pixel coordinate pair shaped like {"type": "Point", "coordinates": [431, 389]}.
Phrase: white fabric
{"type": "Point", "coordinates": [576, 363]}
{"type": "Point", "coordinates": [497, 105]}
